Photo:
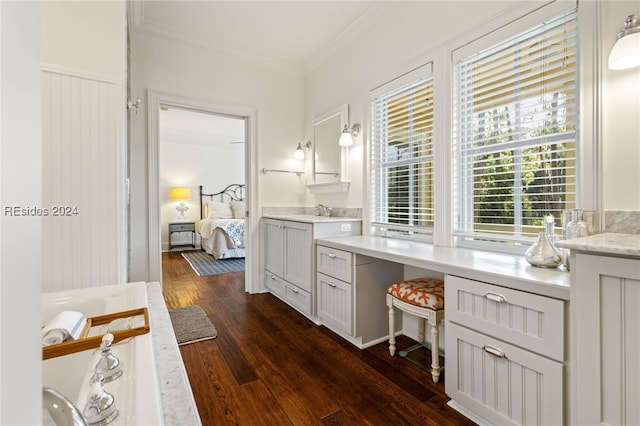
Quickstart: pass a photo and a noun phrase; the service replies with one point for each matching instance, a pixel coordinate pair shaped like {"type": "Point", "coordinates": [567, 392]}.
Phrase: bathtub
{"type": "Point", "coordinates": [136, 392]}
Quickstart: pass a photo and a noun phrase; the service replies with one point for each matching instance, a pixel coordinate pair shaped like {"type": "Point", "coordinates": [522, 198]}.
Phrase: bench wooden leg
{"type": "Point", "coordinates": [435, 348]}
{"type": "Point", "coordinates": [392, 328]}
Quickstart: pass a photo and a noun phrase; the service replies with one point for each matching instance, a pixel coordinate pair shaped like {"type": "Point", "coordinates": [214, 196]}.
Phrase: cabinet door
{"type": "Point", "coordinates": [605, 372]}
{"type": "Point", "coordinates": [274, 246]}
{"type": "Point", "coordinates": [334, 303]}
{"type": "Point", "coordinates": [501, 382]}
{"type": "Point", "coordinates": [298, 254]}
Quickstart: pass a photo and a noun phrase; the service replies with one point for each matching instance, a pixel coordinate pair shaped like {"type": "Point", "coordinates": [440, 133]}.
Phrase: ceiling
{"type": "Point", "coordinates": [289, 33]}
{"type": "Point", "coordinates": [179, 125]}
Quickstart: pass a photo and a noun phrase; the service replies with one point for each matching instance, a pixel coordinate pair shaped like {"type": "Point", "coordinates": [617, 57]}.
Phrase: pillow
{"type": "Point", "coordinates": [218, 210]}
{"type": "Point", "coordinates": [238, 208]}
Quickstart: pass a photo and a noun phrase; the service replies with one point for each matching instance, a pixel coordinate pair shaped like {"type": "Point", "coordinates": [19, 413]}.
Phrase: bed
{"type": "Point", "coordinates": [222, 222]}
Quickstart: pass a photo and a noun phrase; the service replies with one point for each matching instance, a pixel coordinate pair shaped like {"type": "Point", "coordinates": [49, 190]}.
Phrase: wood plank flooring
{"type": "Point", "coordinates": [269, 365]}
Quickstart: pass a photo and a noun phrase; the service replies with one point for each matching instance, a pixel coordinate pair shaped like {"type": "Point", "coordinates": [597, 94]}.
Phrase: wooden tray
{"type": "Point", "coordinates": [84, 342]}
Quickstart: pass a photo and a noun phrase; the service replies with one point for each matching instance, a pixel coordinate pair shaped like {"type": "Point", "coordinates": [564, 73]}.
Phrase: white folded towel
{"type": "Point", "coordinates": [67, 325]}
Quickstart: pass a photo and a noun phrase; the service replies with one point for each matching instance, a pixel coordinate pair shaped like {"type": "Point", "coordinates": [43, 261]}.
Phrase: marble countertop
{"type": "Point", "coordinates": [607, 243]}
{"type": "Point", "coordinates": [307, 218]}
{"type": "Point", "coordinates": [502, 269]}
{"type": "Point", "coordinates": [178, 405]}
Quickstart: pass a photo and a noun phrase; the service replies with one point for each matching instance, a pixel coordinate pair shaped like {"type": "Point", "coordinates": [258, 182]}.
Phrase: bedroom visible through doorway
{"type": "Point", "coordinates": [201, 148]}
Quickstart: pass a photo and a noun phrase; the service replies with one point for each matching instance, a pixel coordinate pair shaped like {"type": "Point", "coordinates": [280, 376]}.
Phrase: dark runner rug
{"type": "Point", "coordinates": [205, 264]}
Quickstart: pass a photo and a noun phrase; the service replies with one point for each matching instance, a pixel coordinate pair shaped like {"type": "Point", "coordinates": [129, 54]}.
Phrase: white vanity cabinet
{"type": "Point", "coordinates": [605, 345]}
{"type": "Point", "coordinates": [289, 256]}
{"type": "Point", "coordinates": [351, 294]}
{"type": "Point", "coordinates": [505, 358]}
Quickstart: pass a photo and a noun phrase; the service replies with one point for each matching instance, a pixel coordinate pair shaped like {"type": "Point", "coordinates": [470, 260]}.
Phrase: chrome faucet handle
{"type": "Point", "coordinates": [109, 365]}
{"type": "Point", "coordinates": [327, 211]}
{"type": "Point", "coordinates": [101, 406]}
{"type": "Point", "coordinates": [319, 210]}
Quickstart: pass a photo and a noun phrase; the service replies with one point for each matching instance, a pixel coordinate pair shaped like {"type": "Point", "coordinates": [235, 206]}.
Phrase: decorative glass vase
{"type": "Point", "coordinates": [576, 227]}
{"type": "Point", "coordinates": [543, 253]}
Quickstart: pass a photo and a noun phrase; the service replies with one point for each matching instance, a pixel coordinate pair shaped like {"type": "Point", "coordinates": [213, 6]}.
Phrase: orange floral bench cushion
{"type": "Point", "coordinates": [425, 292]}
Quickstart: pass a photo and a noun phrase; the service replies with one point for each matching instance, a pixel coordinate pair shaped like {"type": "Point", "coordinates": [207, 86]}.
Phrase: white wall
{"type": "Point", "coordinates": [405, 31]}
{"type": "Point", "coordinates": [85, 36]}
{"type": "Point", "coordinates": [20, 250]}
{"type": "Point", "coordinates": [180, 69]}
{"type": "Point", "coordinates": [621, 117]}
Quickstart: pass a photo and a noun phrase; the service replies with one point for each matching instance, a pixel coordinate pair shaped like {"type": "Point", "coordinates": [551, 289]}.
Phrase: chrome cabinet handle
{"type": "Point", "coordinates": [495, 297]}
{"type": "Point", "coordinates": [273, 277]}
{"type": "Point", "coordinates": [295, 290]}
{"type": "Point", "coordinates": [497, 352]}
{"type": "Point", "coordinates": [332, 255]}
{"type": "Point", "coordinates": [331, 284]}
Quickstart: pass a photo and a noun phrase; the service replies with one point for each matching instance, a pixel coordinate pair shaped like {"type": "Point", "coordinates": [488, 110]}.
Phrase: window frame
{"type": "Point", "coordinates": [393, 83]}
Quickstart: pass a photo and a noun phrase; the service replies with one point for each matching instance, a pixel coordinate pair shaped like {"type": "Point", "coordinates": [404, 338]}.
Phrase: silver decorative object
{"type": "Point", "coordinates": [543, 253]}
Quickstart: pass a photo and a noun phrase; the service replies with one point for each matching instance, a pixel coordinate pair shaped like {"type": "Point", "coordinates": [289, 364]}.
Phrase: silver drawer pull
{"type": "Point", "coordinates": [273, 277]}
{"type": "Point", "coordinates": [495, 297]}
{"type": "Point", "coordinates": [295, 290]}
{"type": "Point", "coordinates": [331, 284]}
{"type": "Point", "coordinates": [494, 351]}
{"type": "Point", "coordinates": [332, 255]}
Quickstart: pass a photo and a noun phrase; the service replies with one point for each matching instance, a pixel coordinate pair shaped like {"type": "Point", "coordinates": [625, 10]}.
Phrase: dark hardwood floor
{"type": "Point", "coordinates": [269, 365]}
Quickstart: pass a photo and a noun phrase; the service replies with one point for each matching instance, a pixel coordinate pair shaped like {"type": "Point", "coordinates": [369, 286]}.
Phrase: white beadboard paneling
{"type": "Point", "coordinates": [335, 302]}
{"type": "Point", "coordinates": [82, 163]}
{"type": "Point", "coordinates": [521, 388]}
{"type": "Point", "coordinates": [298, 243]}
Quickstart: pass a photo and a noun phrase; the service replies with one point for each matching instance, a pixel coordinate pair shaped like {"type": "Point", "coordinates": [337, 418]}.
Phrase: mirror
{"type": "Point", "coordinates": [329, 159]}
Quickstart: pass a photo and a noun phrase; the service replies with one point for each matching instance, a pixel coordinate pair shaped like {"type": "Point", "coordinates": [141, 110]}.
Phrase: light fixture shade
{"type": "Point", "coordinates": [626, 52]}
{"type": "Point", "coordinates": [180, 193]}
{"type": "Point", "coordinates": [299, 154]}
{"type": "Point", "coordinates": [346, 139]}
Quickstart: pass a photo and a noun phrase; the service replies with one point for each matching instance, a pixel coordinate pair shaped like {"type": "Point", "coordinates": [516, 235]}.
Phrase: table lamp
{"type": "Point", "coordinates": [180, 193]}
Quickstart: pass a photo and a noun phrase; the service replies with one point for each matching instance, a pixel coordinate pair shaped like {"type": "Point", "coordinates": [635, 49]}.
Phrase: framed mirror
{"type": "Point", "coordinates": [330, 160]}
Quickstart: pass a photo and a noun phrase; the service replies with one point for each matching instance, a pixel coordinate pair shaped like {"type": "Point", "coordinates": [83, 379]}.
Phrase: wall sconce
{"type": "Point", "coordinates": [180, 193]}
{"type": "Point", "coordinates": [346, 138]}
{"type": "Point", "coordinates": [300, 150]}
{"type": "Point", "coordinates": [626, 52]}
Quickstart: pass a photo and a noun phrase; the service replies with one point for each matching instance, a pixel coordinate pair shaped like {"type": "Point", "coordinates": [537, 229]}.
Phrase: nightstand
{"type": "Point", "coordinates": [182, 227]}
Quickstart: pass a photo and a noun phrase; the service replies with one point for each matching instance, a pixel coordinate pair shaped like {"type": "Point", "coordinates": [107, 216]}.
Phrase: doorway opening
{"type": "Point", "coordinates": [200, 149]}
{"type": "Point", "coordinates": [192, 143]}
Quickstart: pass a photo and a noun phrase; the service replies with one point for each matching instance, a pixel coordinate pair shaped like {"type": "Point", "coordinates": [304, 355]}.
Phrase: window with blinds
{"type": "Point", "coordinates": [402, 168]}
{"type": "Point", "coordinates": [514, 134]}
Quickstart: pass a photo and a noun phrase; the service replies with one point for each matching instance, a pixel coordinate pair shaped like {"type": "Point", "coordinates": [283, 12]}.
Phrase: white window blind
{"type": "Point", "coordinates": [514, 134]}
{"type": "Point", "coordinates": [402, 168]}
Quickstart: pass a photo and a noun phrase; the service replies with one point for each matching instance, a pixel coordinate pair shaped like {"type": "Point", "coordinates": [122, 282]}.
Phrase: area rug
{"type": "Point", "coordinates": [190, 324]}
{"type": "Point", "coordinates": [205, 264]}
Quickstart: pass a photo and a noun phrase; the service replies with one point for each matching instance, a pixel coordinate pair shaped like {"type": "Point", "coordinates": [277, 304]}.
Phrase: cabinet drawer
{"type": "Point", "coordinates": [527, 320]}
{"type": "Point", "coordinates": [298, 298]}
{"type": "Point", "coordinates": [182, 227]}
{"type": "Point", "coordinates": [274, 283]}
{"type": "Point", "coordinates": [335, 263]}
{"type": "Point", "coordinates": [289, 293]}
{"type": "Point", "coordinates": [334, 303]}
{"type": "Point", "coordinates": [500, 382]}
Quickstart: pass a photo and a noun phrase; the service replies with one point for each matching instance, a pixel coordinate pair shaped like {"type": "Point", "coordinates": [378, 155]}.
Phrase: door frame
{"type": "Point", "coordinates": [252, 231]}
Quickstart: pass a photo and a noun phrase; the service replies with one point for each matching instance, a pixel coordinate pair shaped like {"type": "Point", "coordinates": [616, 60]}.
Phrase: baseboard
{"type": "Point", "coordinates": [468, 413]}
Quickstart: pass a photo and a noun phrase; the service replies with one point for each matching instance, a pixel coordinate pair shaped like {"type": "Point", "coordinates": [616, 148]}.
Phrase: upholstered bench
{"type": "Point", "coordinates": [424, 298]}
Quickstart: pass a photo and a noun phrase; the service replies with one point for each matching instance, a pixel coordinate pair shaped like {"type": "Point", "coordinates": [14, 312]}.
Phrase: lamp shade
{"type": "Point", "coordinates": [626, 52]}
{"type": "Point", "coordinates": [180, 193]}
{"type": "Point", "coordinates": [346, 139]}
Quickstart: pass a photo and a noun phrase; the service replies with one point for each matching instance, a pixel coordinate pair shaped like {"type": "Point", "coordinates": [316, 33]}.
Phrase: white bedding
{"type": "Point", "coordinates": [222, 238]}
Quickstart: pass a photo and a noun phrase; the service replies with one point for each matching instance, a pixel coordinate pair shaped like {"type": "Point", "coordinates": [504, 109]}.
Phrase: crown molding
{"type": "Point", "coordinates": [358, 26]}
{"type": "Point", "coordinates": [138, 23]}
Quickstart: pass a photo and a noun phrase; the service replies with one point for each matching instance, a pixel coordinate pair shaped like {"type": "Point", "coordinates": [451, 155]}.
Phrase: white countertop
{"type": "Point", "coordinates": [505, 270]}
{"type": "Point", "coordinates": [307, 218]}
{"type": "Point", "coordinates": [178, 405]}
{"type": "Point", "coordinates": [608, 243]}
